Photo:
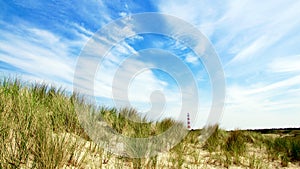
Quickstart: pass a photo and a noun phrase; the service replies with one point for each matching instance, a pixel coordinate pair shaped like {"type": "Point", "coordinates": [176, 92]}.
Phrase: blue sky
{"type": "Point", "coordinates": [257, 42]}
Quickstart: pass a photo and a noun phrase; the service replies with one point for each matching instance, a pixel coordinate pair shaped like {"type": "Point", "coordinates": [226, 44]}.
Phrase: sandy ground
{"type": "Point", "coordinates": [195, 157]}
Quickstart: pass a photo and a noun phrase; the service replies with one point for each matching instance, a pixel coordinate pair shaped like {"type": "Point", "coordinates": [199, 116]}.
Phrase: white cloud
{"type": "Point", "coordinates": [250, 36]}
{"type": "Point", "coordinates": [255, 21]}
{"type": "Point", "coordinates": [123, 14]}
{"type": "Point", "coordinates": [248, 26]}
{"type": "Point", "coordinates": [250, 51]}
{"type": "Point", "coordinates": [40, 54]}
{"type": "Point", "coordinates": [30, 57]}
{"type": "Point", "coordinates": [81, 31]}
{"type": "Point", "coordinates": [135, 83]}
{"type": "Point", "coordinates": [288, 64]}
{"type": "Point", "coordinates": [191, 58]}
{"type": "Point", "coordinates": [138, 86]}
{"type": "Point", "coordinates": [263, 105]}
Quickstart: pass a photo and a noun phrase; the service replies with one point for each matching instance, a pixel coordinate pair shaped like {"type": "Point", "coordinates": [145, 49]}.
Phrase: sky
{"type": "Point", "coordinates": [257, 43]}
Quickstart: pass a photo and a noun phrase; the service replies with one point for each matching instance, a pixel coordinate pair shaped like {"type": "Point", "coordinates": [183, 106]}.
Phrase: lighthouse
{"type": "Point", "coordinates": [188, 121]}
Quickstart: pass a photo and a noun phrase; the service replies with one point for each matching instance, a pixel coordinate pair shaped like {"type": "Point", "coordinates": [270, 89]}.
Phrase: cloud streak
{"type": "Point", "coordinates": [256, 42]}
{"type": "Point", "coordinates": [37, 52]}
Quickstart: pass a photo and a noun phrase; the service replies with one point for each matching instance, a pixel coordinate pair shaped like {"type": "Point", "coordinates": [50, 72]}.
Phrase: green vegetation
{"type": "Point", "coordinates": [39, 128]}
{"type": "Point", "coordinates": [228, 148]}
{"type": "Point", "coordinates": [38, 125]}
{"type": "Point", "coordinates": [284, 148]}
{"type": "Point", "coordinates": [30, 115]}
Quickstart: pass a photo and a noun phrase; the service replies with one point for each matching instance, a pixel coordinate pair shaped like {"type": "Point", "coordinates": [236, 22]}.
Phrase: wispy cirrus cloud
{"type": "Point", "coordinates": [38, 53]}
{"type": "Point", "coordinates": [257, 45]}
{"type": "Point", "coordinates": [287, 64]}
{"type": "Point", "coordinates": [42, 43]}
{"type": "Point", "coordinates": [263, 105]}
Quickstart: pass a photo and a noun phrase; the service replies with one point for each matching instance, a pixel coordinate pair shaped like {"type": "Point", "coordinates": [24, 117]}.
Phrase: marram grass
{"type": "Point", "coordinates": [39, 128]}
{"type": "Point", "coordinates": [32, 116]}
{"type": "Point", "coordinates": [29, 117]}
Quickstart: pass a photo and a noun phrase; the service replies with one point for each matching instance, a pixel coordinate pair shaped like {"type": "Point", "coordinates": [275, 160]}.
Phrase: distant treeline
{"type": "Point", "coordinates": [277, 130]}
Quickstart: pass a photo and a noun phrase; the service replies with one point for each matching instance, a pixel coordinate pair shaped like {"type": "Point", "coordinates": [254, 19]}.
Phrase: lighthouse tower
{"type": "Point", "coordinates": [188, 121]}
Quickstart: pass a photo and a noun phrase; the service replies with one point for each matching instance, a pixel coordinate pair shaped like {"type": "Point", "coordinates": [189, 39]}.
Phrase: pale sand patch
{"type": "Point", "coordinates": [89, 155]}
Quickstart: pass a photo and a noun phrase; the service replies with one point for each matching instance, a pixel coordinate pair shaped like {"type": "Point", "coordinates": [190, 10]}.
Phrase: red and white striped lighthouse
{"type": "Point", "coordinates": [188, 121]}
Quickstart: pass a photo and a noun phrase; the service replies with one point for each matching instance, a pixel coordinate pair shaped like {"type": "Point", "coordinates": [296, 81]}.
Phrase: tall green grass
{"type": "Point", "coordinates": [33, 117]}
{"type": "Point", "coordinates": [39, 128]}
{"type": "Point", "coordinates": [215, 141]}
{"type": "Point", "coordinates": [284, 148]}
{"type": "Point", "coordinates": [30, 114]}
